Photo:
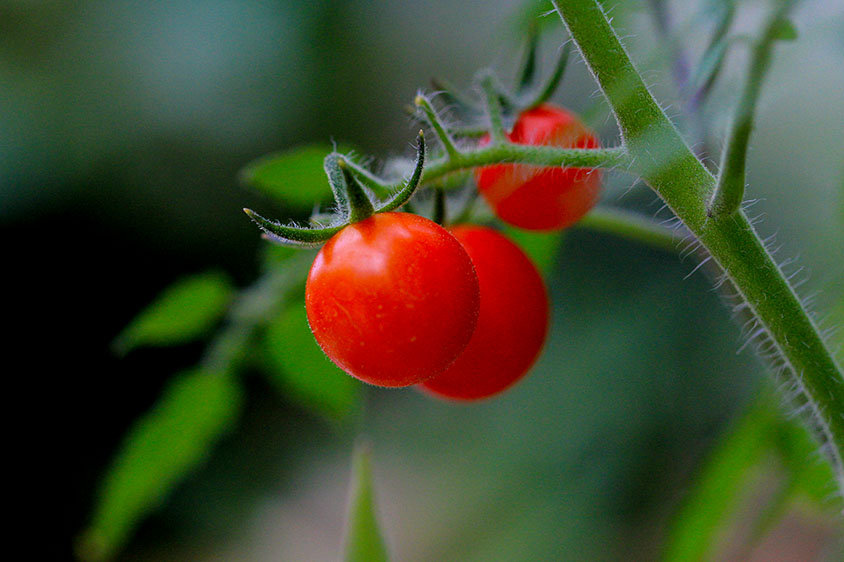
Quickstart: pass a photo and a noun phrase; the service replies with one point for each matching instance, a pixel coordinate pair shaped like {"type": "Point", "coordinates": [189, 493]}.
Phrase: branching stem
{"type": "Point", "coordinates": [666, 163]}
{"type": "Point", "coordinates": [729, 191]}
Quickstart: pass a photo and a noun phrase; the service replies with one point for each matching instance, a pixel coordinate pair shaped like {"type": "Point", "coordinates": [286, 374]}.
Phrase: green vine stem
{"type": "Point", "coordinates": [729, 191]}
{"type": "Point", "coordinates": [615, 157]}
{"type": "Point", "coordinates": [661, 157]}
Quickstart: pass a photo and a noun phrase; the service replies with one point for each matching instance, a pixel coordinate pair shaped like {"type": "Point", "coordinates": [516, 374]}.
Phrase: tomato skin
{"type": "Point", "coordinates": [392, 299]}
{"type": "Point", "coordinates": [536, 198]}
{"type": "Point", "coordinates": [512, 325]}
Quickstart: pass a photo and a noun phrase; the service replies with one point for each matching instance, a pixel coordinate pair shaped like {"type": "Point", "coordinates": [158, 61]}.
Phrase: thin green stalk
{"type": "Point", "coordinates": [529, 154]}
{"type": "Point", "coordinates": [632, 226]}
{"type": "Point", "coordinates": [435, 122]}
{"type": "Point", "coordinates": [439, 214]}
{"type": "Point", "coordinates": [729, 191]}
{"type": "Point", "coordinates": [492, 100]}
{"type": "Point", "coordinates": [667, 164]}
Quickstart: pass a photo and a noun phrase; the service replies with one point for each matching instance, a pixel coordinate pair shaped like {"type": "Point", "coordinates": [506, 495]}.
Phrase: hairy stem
{"type": "Point", "coordinates": [729, 191]}
{"type": "Point", "coordinates": [667, 164]}
{"type": "Point", "coordinates": [529, 154]}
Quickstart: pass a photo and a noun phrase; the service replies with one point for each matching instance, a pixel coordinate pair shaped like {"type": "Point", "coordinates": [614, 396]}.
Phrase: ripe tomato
{"type": "Point", "coordinates": [513, 320]}
{"type": "Point", "coordinates": [536, 198]}
{"type": "Point", "coordinates": [392, 299]}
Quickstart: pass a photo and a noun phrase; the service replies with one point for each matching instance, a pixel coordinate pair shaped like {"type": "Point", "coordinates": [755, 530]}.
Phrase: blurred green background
{"type": "Point", "coordinates": [123, 126]}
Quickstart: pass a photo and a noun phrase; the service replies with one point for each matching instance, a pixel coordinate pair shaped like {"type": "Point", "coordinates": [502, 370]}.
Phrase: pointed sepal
{"type": "Point", "coordinates": [405, 193]}
{"type": "Point", "coordinates": [360, 202]}
{"type": "Point", "coordinates": [276, 232]}
{"type": "Point", "coordinates": [337, 181]}
{"type": "Point", "coordinates": [527, 76]}
{"type": "Point", "coordinates": [553, 82]}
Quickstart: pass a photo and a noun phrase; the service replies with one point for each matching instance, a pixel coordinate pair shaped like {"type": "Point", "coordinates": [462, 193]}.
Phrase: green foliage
{"type": "Point", "coordinates": [299, 368]}
{"type": "Point", "coordinates": [669, 167]}
{"type": "Point", "coordinates": [761, 433]}
{"type": "Point", "coordinates": [294, 177]}
{"type": "Point", "coordinates": [166, 444]}
{"type": "Point", "coordinates": [541, 247]}
{"type": "Point", "coordinates": [784, 30]}
{"type": "Point", "coordinates": [711, 64]}
{"type": "Point", "coordinates": [185, 311]}
{"type": "Point", "coordinates": [363, 539]}
{"type": "Point", "coordinates": [199, 405]}
{"type": "Point", "coordinates": [695, 532]}
{"type": "Point", "coordinates": [811, 475]}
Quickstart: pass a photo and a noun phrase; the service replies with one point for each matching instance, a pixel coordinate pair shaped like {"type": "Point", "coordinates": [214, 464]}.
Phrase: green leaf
{"type": "Point", "coordinates": [710, 64]}
{"type": "Point", "coordinates": [784, 30]}
{"type": "Point", "coordinates": [275, 255]}
{"type": "Point", "coordinates": [363, 539]}
{"type": "Point", "coordinates": [294, 177]}
{"type": "Point", "coordinates": [300, 370]}
{"type": "Point", "coordinates": [164, 445]}
{"type": "Point", "coordinates": [811, 475]}
{"type": "Point", "coordinates": [695, 531]}
{"type": "Point", "coordinates": [541, 247]}
{"type": "Point", "coordinates": [183, 312]}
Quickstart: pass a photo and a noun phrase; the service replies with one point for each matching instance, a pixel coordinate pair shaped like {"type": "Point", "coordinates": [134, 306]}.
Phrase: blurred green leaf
{"type": "Point", "coordinates": [710, 65]}
{"type": "Point", "coordinates": [694, 533]}
{"type": "Point", "coordinates": [294, 177]}
{"type": "Point", "coordinates": [274, 255]}
{"type": "Point", "coordinates": [541, 247]}
{"type": "Point", "coordinates": [784, 30]}
{"type": "Point", "coordinates": [183, 312]}
{"type": "Point", "coordinates": [164, 445]}
{"type": "Point", "coordinates": [363, 539]}
{"type": "Point", "coordinates": [812, 476]}
{"type": "Point", "coordinates": [300, 369]}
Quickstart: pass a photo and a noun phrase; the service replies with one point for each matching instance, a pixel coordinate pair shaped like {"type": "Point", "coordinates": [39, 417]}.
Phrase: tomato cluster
{"type": "Point", "coordinates": [398, 300]}
{"type": "Point", "coordinates": [395, 299]}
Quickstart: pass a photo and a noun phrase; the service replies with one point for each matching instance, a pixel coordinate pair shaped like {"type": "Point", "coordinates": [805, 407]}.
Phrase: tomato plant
{"type": "Point", "coordinates": [396, 300]}
{"type": "Point", "coordinates": [392, 299]}
{"type": "Point", "coordinates": [512, 324]}
{"type": "Point", "coordinates": [547, 198]}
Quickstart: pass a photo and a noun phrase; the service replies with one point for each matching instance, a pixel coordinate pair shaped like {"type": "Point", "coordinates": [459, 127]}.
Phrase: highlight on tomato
{"type": "Point", "coordinates": [392, 299]}
{"type": "Point", "coordinates": [540, 198]}
{"type": "Point", "coordinates": [512, 325]}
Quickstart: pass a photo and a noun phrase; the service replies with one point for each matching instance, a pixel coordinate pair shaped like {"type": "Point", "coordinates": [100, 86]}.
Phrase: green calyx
{"type": "Point", "coordinates": [498, 107]}
{"type": "Point", "coordinates": [354, 200]}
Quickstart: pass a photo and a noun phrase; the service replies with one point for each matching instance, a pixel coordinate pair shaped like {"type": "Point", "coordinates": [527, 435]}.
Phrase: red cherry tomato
{"type": "Point", "coordinates": [536, 198]}
{"type": "Point", "coordinates": [393, 299]}
{"type": "Point", "coordinates": [513, 320]}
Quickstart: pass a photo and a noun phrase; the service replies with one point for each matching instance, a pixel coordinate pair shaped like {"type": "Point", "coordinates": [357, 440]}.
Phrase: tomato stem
{"type": "Point", "coordinates": [436, 123]}
{"type": "Point", "coordinates": [729, 191]}
{"type": "Point", "coordinates": [439, 215]}
{"type": "Point", "coordinates": [492, 100]}
{"type": "Point", "coordinates": [669, 167]}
